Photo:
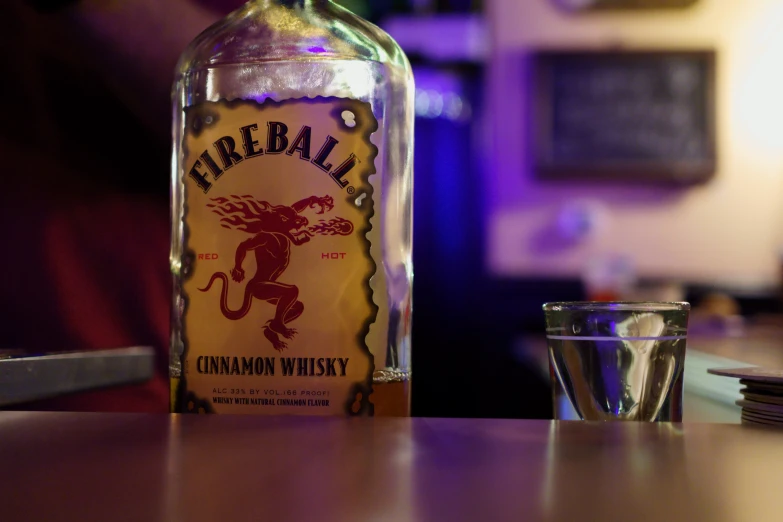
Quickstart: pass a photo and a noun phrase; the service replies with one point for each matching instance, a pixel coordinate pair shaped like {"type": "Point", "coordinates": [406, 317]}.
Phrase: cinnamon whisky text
{"type": "Point", "coordinates": [267, 366]}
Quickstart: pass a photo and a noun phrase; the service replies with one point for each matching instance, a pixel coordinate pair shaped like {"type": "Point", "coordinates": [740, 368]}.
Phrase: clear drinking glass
{"type": "Point", "coordinates": [619, 360]}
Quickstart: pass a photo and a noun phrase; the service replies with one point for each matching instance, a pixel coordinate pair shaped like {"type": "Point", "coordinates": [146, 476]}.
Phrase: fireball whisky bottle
{"type": "Point", "coordinates": [291, 216]}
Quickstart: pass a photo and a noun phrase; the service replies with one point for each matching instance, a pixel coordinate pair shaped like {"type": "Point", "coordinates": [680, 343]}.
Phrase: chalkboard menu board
{"type": "Point", "coordinates": [627, 116]}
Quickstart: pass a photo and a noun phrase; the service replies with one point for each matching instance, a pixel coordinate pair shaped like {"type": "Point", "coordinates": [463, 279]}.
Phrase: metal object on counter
{"type": "Point", "coordinates": [25, 378]}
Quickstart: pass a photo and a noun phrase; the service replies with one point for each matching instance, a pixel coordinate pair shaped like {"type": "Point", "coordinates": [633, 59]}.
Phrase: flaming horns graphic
{"type": "Point", "coordinates": [247, 214]}
{"type": "Point", "coordinates": [239, 212]}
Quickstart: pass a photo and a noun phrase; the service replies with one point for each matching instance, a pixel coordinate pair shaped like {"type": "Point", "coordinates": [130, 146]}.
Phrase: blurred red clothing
{"type": "Point", "coordinates": [88, 275]}
{"type": "Point", "coordinates": [84, 224]}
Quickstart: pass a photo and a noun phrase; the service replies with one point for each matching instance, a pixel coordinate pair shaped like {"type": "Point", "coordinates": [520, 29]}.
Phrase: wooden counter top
{"type": "Point", "coordinates": [117, 467]}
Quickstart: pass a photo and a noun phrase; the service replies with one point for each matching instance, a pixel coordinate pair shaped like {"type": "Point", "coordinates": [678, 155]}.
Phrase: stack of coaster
{"type": "Point", "coordinates": [762, 402]}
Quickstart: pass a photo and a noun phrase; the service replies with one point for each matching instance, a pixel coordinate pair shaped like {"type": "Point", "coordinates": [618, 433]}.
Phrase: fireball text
{"type": "Point", "coordinates": [277, 142]}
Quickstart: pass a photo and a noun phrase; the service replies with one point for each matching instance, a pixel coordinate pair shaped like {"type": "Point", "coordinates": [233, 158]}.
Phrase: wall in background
{"type": "Point", "coordinates": [729, 231]}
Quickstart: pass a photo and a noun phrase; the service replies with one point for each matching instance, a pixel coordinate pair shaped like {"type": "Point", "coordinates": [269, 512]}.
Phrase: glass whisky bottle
{"type": "Point", "coordinates": [292, 216]}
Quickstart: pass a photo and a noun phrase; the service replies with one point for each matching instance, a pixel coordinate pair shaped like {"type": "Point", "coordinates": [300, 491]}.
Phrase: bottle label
{"type": "Point", "coordinates": [279, 265]}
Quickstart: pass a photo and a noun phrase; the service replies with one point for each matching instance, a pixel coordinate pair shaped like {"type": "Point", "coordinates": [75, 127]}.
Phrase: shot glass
{"type": "Point", "coordinates": [619, 360]}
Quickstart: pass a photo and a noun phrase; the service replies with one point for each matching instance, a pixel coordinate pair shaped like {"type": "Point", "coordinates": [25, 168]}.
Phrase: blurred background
{"type": "Point", "coordinates": [565, 150]}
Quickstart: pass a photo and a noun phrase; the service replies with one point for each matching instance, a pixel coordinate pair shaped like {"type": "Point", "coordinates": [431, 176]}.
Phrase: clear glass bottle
{"type": "Point", "coordinates": [255, 94]}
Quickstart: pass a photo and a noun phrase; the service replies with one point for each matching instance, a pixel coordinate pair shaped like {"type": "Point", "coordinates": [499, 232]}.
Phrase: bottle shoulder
{"type": "Point", "coordinates": [257, 34]}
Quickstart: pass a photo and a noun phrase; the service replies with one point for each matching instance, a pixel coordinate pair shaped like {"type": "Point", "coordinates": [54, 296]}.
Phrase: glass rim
{"type": "Point", "coordinates": [617, 306]}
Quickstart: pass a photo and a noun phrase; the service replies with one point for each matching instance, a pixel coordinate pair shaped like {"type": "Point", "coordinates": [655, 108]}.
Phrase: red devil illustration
{"type": "Point", "coordinates": [273, 229]}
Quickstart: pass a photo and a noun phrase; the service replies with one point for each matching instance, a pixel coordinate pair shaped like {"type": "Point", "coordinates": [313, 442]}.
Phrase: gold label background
{"type": "Point", "coordinates": [338, 303]}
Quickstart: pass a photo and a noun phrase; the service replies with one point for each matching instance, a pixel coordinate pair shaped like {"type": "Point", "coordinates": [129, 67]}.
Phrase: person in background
{"type": "Point", "coordinates": [84, 211]}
